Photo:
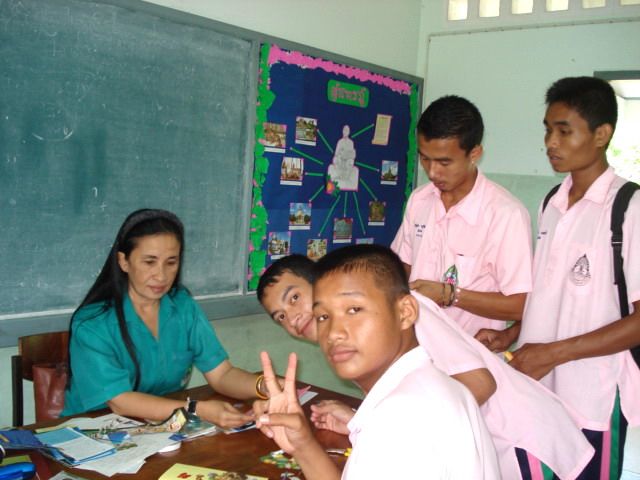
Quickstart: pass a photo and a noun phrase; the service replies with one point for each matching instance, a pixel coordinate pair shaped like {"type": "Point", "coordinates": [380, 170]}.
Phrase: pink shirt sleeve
{"type": "Point", "coordinates": [402, 243]}
{"type": "Point", "coordinates": [514, 253]}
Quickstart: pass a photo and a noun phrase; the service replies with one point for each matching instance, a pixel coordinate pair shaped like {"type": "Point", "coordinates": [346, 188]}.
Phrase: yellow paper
{"type": "Point", "coordinates": [178, 471]}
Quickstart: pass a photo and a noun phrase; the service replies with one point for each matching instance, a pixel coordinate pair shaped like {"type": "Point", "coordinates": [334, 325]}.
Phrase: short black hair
{"type": "Point", "coordinates": [593, 98]}
{"type": "Point", "coordinates": [296, 264]}
{"type": "Point", "coordinates": [381, 262]}
{"type": "Point", "coordinates": [452, 116]}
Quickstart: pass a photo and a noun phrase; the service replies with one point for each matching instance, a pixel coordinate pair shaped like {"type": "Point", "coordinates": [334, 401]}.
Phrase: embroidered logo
{"type": "Point", "coordinates": [580, 274]}
{"type": "Point", "coordinates": [419, 229]}
{"type": "Point", "coordinates": [451, 276]}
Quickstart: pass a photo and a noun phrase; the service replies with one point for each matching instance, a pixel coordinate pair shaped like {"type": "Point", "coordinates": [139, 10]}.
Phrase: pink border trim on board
{"type": "Point", "coordinates": [296, 58]}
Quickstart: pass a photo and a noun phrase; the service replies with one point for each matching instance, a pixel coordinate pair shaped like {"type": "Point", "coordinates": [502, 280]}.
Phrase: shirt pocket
{"type": "Point", "coordinates": [180, 367]}
{"type": "Point", "coordinates": [467, 270]}
{"type": "Point", "coordinates": [580, 269]}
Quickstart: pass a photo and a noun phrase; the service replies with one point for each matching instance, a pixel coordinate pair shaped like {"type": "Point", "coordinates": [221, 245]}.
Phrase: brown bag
{"type": "Point", "coordinates": [49, 384]}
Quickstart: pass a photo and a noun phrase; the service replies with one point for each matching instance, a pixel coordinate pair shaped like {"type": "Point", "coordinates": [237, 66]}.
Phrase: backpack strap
{"type": "Point", "coordinates": [620, 204]}
{"type": "Point", "coordinates": [551, 193]}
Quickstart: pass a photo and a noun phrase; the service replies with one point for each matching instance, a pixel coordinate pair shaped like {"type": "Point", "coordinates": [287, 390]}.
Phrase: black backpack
{"type": "Point", "coordinates": [620, 204]}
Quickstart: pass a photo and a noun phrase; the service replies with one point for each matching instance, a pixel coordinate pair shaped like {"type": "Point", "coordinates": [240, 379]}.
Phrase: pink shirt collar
{"type": "Point", "coordinates": [469, 207]}
{"type": "Point", "coordinates": [596, 193]}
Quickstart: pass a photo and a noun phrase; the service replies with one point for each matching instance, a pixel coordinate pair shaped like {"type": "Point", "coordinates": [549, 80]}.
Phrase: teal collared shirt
{"type": "Point", "coordinates": [102, 368]}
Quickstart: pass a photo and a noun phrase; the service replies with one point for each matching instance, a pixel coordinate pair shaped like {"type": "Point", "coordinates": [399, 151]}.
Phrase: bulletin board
{"type": "Point", "coordinates": [334, 157]}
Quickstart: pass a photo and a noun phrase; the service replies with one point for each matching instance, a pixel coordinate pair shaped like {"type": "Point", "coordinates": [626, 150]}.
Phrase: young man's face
{"type": "Point", "coordinates": [571, 146]}
{"type": "Point", "coordinates": [360, 333]}
{"type": "Point", "coordinates": [447, 165]}
{"type": "Point", "coordinates": [288, 301]}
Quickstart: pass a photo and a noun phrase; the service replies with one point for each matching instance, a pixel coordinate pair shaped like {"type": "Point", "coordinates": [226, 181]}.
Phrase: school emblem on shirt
{"type": "Point", "coordinates": [451, 276]}
{"type": "Point", "coordinates": [580, 274]}
{"type": "Point", "coordinates": [419, 229]}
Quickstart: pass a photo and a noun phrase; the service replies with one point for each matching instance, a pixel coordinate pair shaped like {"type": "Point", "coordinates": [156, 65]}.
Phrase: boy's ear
{"type": "Point", "coordinates": [408, 310]}
{"type": "Point", "coordinates": [603, 134]}
{"type": "Point", "coordinates": [476, 153]}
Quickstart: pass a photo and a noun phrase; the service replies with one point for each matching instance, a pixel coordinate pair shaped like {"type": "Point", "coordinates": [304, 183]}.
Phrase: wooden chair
{"type": "Point", "coordinates": [35, 349]}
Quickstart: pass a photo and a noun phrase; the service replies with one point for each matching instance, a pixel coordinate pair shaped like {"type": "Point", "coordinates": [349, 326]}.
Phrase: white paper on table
{"type": "Point", "coordinates": [110, 420]}
{"type": "Point", "coordinates": [125, 460]}
{"type": "Point", "coordinates": [306, 396]}
{"type": "Point", "coordinates": [134, 468]}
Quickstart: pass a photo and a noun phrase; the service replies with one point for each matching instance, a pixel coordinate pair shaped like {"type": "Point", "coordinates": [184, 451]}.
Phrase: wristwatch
{"type": "Point", "coordinates": [191, 406]}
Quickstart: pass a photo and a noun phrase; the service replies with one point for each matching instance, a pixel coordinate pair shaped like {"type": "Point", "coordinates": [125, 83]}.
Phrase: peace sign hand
{"type": "Point", "coordinates": [281, 417]}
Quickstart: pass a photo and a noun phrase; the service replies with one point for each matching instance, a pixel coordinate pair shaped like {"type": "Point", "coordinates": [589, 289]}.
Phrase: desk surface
{"type": "Point", "coordinates": [237, 452]}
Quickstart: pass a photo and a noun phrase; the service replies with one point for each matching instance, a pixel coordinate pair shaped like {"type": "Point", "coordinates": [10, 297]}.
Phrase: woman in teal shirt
{"type": "Point", "coordinates": [138, 332]}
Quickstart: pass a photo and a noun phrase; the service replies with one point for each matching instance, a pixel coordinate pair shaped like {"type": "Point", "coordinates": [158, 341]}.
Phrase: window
{"type": "Point", "coordinates": [593, 3]}
{"type": "Point", "coordinates": [555, 5]}
{"type": "Point", "coordinates": [521, 6]}
{"type": "Point", "coordinates": [624, 150]}
{"type": "Point", "coordinates": [457, 10]}
{"type": "Point", "coordinates": [489, 8]}
{"type": "Point", "coordinates": [488, 12]}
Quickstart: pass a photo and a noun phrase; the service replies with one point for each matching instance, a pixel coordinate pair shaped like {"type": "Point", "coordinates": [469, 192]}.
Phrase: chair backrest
{"type": "Point", "coordinates": [32, 350]}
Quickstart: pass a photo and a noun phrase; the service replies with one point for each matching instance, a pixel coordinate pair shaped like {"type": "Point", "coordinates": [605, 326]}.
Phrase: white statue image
{"type": "Point", "coordinates": [342, 171]}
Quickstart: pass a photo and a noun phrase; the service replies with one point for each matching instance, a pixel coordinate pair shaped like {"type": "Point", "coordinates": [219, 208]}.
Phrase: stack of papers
{"type": "Point", "coordinates": [72, 447]}
{"type": "Point", "coordinates": [129, 457]}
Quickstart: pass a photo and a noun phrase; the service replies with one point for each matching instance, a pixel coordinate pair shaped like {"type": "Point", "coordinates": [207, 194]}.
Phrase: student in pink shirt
{"type": "Point", "coordinates": [573, 338]}
{"type": "Point", "coordinates": [415, 421]}
{"type": "Point", "coordinates": [465, 241]}
{"type": "Point", "coordinates": [531, 430]}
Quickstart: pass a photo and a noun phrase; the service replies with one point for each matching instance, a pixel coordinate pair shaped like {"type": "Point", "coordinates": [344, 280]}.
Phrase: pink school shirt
{"type": "Point", "coordinates": [416, 422]}
{"type": "Point", "coordinates": [521, 413]}
{"type": "Point", "coordinates": [574, 294]}
{"type": "Point", "coordinates": [487, 236]}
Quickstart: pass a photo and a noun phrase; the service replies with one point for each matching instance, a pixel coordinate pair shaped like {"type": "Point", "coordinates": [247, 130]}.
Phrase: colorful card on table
{"type": "Point", "coordinates": [191, 472]}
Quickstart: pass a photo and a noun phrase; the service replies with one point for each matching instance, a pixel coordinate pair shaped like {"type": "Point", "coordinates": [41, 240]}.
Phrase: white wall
{"type": "Point", "coordinates": [382, 32]}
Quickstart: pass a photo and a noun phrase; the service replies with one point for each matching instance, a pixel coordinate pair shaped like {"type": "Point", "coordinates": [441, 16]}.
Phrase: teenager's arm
{"type": "Point", "coordinates": [480, 383]}
{"type": "Point", "coordinates": [538, 359]}
{"type": "Point", "coordinates": [484, 304]}
{"type": "Point", "coordinates": [499, 340]}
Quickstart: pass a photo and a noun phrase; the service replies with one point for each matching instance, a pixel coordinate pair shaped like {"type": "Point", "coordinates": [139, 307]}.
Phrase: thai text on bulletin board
{"type": "Point", "coordinates": [334, 157]}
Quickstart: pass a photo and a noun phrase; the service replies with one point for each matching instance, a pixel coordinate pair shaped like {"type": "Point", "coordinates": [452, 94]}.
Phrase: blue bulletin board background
{"type": "Point", "coordinates": [304, 104]}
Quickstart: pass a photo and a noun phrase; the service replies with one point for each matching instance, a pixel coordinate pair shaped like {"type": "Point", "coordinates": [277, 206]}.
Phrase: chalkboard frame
{"type": "Point", "coordinates": [215, 307]}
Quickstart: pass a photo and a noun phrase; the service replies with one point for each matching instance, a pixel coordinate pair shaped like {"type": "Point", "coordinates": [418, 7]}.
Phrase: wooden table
{"type": "Point", "coordinates": [236, 452]}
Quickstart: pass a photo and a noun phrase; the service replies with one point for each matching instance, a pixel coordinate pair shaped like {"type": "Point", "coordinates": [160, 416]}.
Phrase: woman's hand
{"type": "Point", "coordinates": [222, 414]}
{"type": "Point", "coordinates": [332, 415]}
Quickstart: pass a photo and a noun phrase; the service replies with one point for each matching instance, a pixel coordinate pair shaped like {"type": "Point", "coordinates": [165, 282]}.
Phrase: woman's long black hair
{"type": "Point", "coordinates": [112, 283]}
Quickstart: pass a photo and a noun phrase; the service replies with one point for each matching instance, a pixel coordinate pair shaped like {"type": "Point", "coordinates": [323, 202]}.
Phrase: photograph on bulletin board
{"type": "Point", "coordinates": [334, 157]}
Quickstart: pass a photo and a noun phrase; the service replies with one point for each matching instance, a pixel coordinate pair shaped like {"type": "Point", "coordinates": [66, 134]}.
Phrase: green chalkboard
{"type": "Point", "coordinates": [104, 110]}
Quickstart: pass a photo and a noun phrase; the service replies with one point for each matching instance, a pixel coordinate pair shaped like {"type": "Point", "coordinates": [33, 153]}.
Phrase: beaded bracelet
{"type": "Point", "coordinates": [259, 386]}
{"type": "Point", "coordinates": [456, 297]}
